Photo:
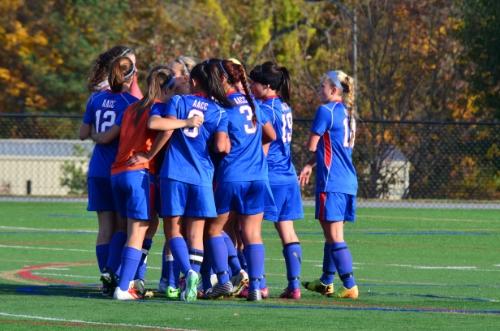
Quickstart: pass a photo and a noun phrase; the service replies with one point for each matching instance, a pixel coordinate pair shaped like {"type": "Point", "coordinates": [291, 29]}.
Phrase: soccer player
{"type": "Point", "coordinates": [130, 171]}
{"type": "Point", "coordinates": [271, 85]}
{"type": "Point", "coordinates": [103, 108]}
{"type": "Point", "coordinates": [98, 77]}
{"type": "Point", "coordinates": [242, 186]}
{"type": "Point", "coordinates": [187, 171]}
{"type": "Point", "coordinates": [169, 279]}
{"type": "Point", "coordinates": [332, 140]}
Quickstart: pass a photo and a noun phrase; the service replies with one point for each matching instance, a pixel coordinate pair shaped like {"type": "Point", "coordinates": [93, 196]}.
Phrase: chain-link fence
{"type": "Point", "coordinates": [396, 161]}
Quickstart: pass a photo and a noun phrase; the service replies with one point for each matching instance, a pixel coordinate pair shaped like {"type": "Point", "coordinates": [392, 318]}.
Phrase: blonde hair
{"type": "Point", "coordinates": [348, 97]}
{"type": "Point", "coordinates": [186, 62]}
{"type": "Point", "coordinates": [159, 78]}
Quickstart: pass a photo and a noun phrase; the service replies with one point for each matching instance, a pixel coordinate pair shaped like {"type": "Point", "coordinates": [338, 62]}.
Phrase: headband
{"type": "Point", "coordinates": [131, 72]}
{"type": "Point", "coordinates": [333, 76]}
{"type": "Point", "coordinates": [125, 52]}
{"type": "Point", "coordinates": [223, 69]}
{"type": "Point", "coordinates": [169, 83]}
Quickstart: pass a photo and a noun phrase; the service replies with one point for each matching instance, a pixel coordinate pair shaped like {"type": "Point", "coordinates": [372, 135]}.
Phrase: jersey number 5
{"type": "Point", "coordinates": [193, 132]}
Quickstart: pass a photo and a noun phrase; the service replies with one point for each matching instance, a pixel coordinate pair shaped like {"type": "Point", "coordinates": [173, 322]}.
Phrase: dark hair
{"type": "Point", "coordinates": [208, 75]}
{"type": "Point", "coordinates": [278, 78]}
{"type": "Point", "coordinates": [102, 64]}
{"type": "Point", "coordinates": [159, 78]}
{"type": "Point", "coordinates": [235, 74]}
{"type": "Point", "coordinates": [122, 71]}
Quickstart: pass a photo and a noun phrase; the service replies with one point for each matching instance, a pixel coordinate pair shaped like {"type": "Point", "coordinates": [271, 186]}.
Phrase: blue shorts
{"type": "Point", "coordinates": [154, 194]}
{"type": "Point", "coordinates": [335, 207]}
{"type": "Point", "coordinates": [183, 199]}
{"type": "Point", "coordinates": [288, 201]}
{"type": "Point", "coordinates": [100, 194]}
{"type": "Point", "coordinates": [131, 193]}
{"type": "Point", "coordinates": [245, 198]}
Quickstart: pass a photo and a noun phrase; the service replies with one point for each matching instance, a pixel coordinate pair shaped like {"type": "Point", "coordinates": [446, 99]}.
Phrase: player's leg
{"type": "Point", "coordinates": [292, 252]}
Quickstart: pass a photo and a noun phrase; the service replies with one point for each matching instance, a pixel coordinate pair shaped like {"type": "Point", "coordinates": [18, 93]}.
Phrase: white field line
{"type": "Point", "coordinates": [30, 229]}
{"type": "Point", "coordinates": [57, 319]}
{"type": "Point", "coordinates": [21, 228]}
{"type": "Point", "coordinates": [63, 275]}
{"type": "Point", "coordinates": [426, 267]}
{"type": "Point", "coordinates": [463, 268]}
{"type": "Point", "coordinates": [407, 218]}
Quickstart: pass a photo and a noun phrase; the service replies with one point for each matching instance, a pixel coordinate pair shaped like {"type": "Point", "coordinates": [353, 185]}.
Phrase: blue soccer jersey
{"type": "Point", "coordinates": [335, 171]}
{"type": "Point", "coordinates": [103, 110]}
{"type": "Point", "coordinates": [279, 157]}
{"type": "Point", "coordinates": [187, 158]}
{"type": "Point", "coordinates": [246, 160]}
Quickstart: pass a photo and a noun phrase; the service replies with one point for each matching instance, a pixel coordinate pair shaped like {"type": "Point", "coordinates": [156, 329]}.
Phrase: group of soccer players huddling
{"type": "Point", "coordinates": [207, 148]}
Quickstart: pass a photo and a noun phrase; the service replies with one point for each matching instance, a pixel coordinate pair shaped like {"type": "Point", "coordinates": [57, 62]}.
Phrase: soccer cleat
{"type": "Point", "coordinates": [131, 294]}
{"type": "Point", "coordinates": [139, 285]}
{"type": "Point", "coordinates": [190, 292]}
{"type": "Point", "coordinates": [239, 281]}
{"type": "Point", "coordinates": [109, 283]}
{"type": "Point", "coordinates": [317, 286]}
{"type": "Point", "coordinates": [349, 293]}
{"type": "Point", "coordinates": [219, 290]}
{"type": "Point", "coordinates": [162, 285]}
{"type": "Point", "coordinates": [264, 292]}
{"type": "Point", "coordinates": [172, 293]}
{"type": "Point", "coordinates": [291, 294]}
{"type": "Point", "coordinates": [254, 295]}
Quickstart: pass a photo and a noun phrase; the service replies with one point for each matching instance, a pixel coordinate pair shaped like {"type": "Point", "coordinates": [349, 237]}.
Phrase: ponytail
{"type": "Point", "coordinates": [278, 78]}
{"type": "Point", "coordinates": [122, 71]}
{"type": "Point", "coordinates": [236, 74]}
{"type": "Point", "coordinates": [214, 79]}
{"type": "Point", "coordinates": [348, 98]}
{"type": "Point", "coordinates": [98, 75]}
{"type": "Point", "coordinates": [284, 90]}
{"type": "Point", "coordinates": [159, 78]}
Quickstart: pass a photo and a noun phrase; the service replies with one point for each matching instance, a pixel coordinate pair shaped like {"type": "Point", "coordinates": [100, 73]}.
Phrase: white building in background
{"type": "Point", "coordinates": [394, 180]}
{"type": "Point", "coordinates": [34, 166]}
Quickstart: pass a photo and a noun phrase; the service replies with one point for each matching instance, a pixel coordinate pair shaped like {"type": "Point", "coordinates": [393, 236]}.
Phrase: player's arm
{"type": "Point", "coordinates": [107, 136]}
{"type": "Point", "coordinates": [85, 130]}
{"type": "Point", "coordinates": [222, 144]}
{"type": "Point", "coordinates": [268, 136]}
{"type": "Point", "coordinates": [160, 141]}
{"type": "Point", "coordinates": [305, 174]}
{"type": "Point", "coordinates": [164, 124]}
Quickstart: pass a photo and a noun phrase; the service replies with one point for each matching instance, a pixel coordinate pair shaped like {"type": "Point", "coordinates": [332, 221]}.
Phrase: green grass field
{"type": "Point", "coordinates": [416, 269]}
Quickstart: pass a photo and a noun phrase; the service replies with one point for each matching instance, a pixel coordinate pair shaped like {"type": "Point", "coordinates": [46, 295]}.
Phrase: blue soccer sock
{"type": "Point", "coordinates": [343, 261]}
{"type": "Point", "coordinates": [180, 253]}
{"type": "Point", "coordinates": [328, 265]}
{"type": "Point", "coordinates": [195, 259]}
{"type": "Point", "coordinates": [232, 255]}
{"type": "Point", "coordinates": [102, 252]}
{"type": "Point", "coordinates": [169, 272]}
{"type": "Point", "coordinates": [243, 260]}
{"type": "Point", "coordinates": [293, 260]}
{"type": "Point", "coordinates": [164, 262]}
{"type": "Point", "coordinates": [219, 255]}
{"type": "Point", "coordinates": [254, 254]}
{"type": "Point", "coordinates": [116, 245]}
{"type": "Point", "coordinates": [130, 261]}
{"type": "Point", "coordinates": [206, 269]}
{"type": "Point", "coordinates": [143, 264]}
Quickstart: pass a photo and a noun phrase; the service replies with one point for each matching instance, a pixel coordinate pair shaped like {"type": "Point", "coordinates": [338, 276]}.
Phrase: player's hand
{"type": "Point", "coordinates": [138, 158]}
{"type": "Point", "coordinates": [305, 174]}
{"type": "Point", "coordinates": [194, 122]}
